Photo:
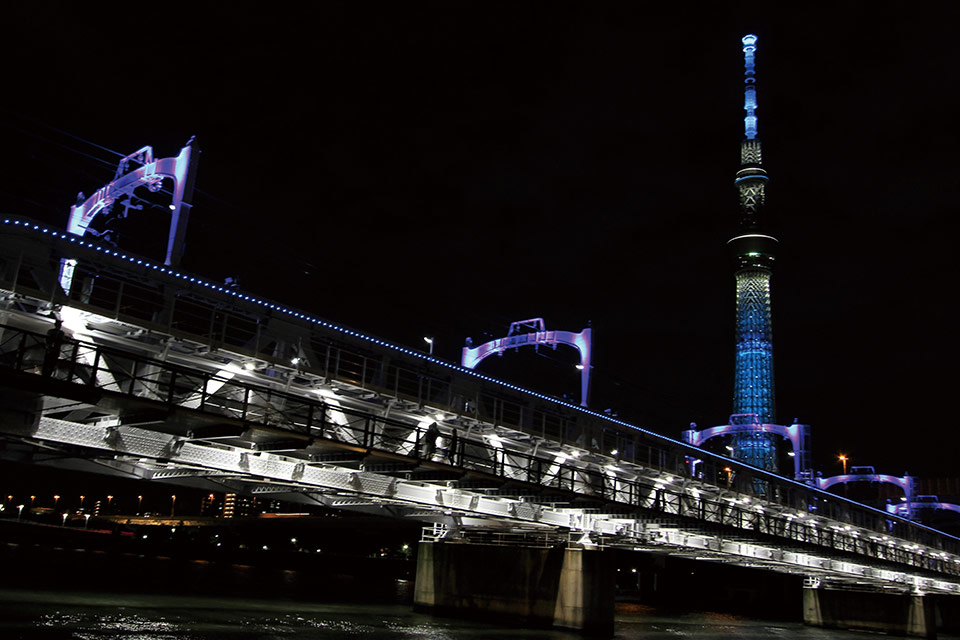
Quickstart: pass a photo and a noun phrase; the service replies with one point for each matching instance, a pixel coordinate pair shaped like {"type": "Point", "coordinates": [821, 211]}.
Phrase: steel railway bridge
{"type": "Point", "coordinates": [162, 375]}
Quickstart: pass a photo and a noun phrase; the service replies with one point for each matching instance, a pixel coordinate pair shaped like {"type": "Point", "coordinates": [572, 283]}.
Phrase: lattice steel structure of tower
{"type": "Point", "coordinates": [753, 253]}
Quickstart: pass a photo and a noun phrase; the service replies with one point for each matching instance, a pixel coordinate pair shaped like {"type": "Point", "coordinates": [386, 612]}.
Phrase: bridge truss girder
{"type": "Point", "coordinates": [160, 456]}
{"type": "Point", "coordinates": [116, 385]}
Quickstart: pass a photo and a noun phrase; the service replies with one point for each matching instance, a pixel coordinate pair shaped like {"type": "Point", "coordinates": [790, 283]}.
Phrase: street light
{"type": "Point", "coordinates": [429, 341]}
{"type": "Point", "coordinates": [843, 459]}
{"type": "Point", "coordinates": [56, 500]}
{"type": "Point", "coordinates": [19, 511]}
{"type": "Point", "coordinates": [64, 523]}
{"type": "Point", "coordinates": [173, 504]}
{"type": "Point", "coordinates": [139, 504]}
{"type": "Point", "coordinates": [86, 520]}
{"type": "Point", "coordinates": [82, 498]}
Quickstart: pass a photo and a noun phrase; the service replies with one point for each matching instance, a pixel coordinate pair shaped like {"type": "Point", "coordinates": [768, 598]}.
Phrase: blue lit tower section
{"type": "Point", "coordinates": [753, 252]}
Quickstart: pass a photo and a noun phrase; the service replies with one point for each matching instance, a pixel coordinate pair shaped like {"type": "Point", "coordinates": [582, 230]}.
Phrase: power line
{"type": "Point", "coordinates": [57, 144]}
{"type": "Point", "coordinates": [65, 133]}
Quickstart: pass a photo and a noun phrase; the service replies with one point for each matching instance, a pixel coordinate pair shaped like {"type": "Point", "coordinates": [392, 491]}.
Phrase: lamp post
{"type": "Point", "coordinates": [429, 341]}
{"type": "Point", "coordinates": [139, 505]}
{"type": "Point", "coordinates": [82, 498]}
{"type": "Point", "coordinates": [64, 523]}
{"type": "Point", "coordinates": [173, 504]}
{"type": "Point", "coordinates": [19, 511]}
{"type": "Point", "coordinates": [109, 504]}
{"type": "Point", "coordinates": [843, 460]}
{"type": "Point", "coordinates": [56, 500]}
{"type": "Point", "coordinates": [86, 520]}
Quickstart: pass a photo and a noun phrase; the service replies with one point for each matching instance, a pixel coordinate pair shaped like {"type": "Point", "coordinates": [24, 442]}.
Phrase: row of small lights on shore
{"type": "Point", "coordinates": [109, 497]}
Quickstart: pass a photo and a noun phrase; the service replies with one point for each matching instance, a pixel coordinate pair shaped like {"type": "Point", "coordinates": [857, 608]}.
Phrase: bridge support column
{"type": "Point", "coordinates": [910, 615]}
{"type": "Point", "coordinates": [560, 587]}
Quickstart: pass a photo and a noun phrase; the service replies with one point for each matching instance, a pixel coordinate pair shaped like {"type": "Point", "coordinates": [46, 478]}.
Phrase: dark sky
{"type": "Point", "coordinates": [443, 169]}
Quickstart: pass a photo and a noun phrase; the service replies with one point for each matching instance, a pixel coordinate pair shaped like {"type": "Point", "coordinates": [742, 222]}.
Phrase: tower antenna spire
{"type": "Point", "coordinates": [749, 86]}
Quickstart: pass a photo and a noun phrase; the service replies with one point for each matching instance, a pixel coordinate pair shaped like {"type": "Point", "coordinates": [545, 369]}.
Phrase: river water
{"type": "Point", "coordinates": [76, 615]}
{"type": "Point", "coordinates": [61, 592]}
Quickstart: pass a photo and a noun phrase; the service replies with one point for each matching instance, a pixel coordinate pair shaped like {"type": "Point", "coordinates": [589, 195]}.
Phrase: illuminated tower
{"type": "Point", "coordinates": [753, 252]}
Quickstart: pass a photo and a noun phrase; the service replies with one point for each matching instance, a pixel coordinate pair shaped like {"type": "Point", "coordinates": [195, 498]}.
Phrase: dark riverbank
{"type": "Point", "coordinates": [153, 560]}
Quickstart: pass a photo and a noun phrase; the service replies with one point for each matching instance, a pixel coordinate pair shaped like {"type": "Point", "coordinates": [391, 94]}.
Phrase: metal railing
{"type": "Point", "coordinates": [602, 482]}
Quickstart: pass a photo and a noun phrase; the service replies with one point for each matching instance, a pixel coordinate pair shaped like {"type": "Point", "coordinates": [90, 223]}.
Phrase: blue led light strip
{"type": "Point", "coordinates": [323, 323]}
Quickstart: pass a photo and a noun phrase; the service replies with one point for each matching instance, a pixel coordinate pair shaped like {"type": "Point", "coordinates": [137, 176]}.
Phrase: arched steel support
{"type": "Point", "coordinates": [905, 509]}
{"type": "Point", "coordinates": [905, 483]}
{"type": "Point", "coordinates": [182, 169]}
{"type": "Point", "coordinates": [910, 508]}
{"type": "Point", "coordinates": [797, 434]}
{"type": "Point", "coordinates": [472, 356]}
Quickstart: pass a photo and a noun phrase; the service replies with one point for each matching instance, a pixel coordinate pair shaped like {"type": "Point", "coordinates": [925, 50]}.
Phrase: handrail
{"type": "Point", "coordinates": [89, 364]}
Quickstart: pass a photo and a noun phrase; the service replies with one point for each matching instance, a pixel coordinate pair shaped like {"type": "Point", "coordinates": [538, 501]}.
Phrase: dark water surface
{"type": "Point", "coordinates": [102, 616]}
{"type": "Point", "coordinates": [62, 592]}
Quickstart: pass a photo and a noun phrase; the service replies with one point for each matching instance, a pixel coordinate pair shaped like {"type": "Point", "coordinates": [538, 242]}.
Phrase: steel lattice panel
{"type": "Point", "coordinates": [254, 466]}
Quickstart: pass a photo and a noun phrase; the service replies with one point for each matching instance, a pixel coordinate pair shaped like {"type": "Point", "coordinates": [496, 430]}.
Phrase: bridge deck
{"type": "Point", "coordinates": [373, 426]}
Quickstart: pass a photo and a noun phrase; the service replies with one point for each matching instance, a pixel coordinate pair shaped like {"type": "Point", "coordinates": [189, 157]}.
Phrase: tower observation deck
{"type": "Point", "coordinates": [753, 252]}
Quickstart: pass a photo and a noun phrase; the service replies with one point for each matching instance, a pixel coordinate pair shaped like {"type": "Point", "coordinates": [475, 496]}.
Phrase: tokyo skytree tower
{"type": "Point", "coordinates": [753, 253]}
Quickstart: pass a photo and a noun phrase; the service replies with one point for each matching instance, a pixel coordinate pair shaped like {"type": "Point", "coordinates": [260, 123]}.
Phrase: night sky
{"type": "Point", "coordinates": [443, 169]}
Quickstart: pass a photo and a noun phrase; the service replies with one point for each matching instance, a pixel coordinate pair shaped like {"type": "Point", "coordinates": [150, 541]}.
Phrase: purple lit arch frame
{"type": "Point", "coordinates": [909, 509]}
{"type": "Point", "coordinates": [182, 169]}
{"type": "Point", "coordinates": [540, 336]}
{"type": "Point", "coordinates": [905, 483]}
{"type": "Point", "coordinates": [797, 434]}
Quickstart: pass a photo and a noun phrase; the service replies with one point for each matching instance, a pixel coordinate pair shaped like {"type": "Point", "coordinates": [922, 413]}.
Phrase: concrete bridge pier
{"type": "Point", "coordinates": [902, 614]}
{"type": "Point", "coordinates": [565, 587]}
